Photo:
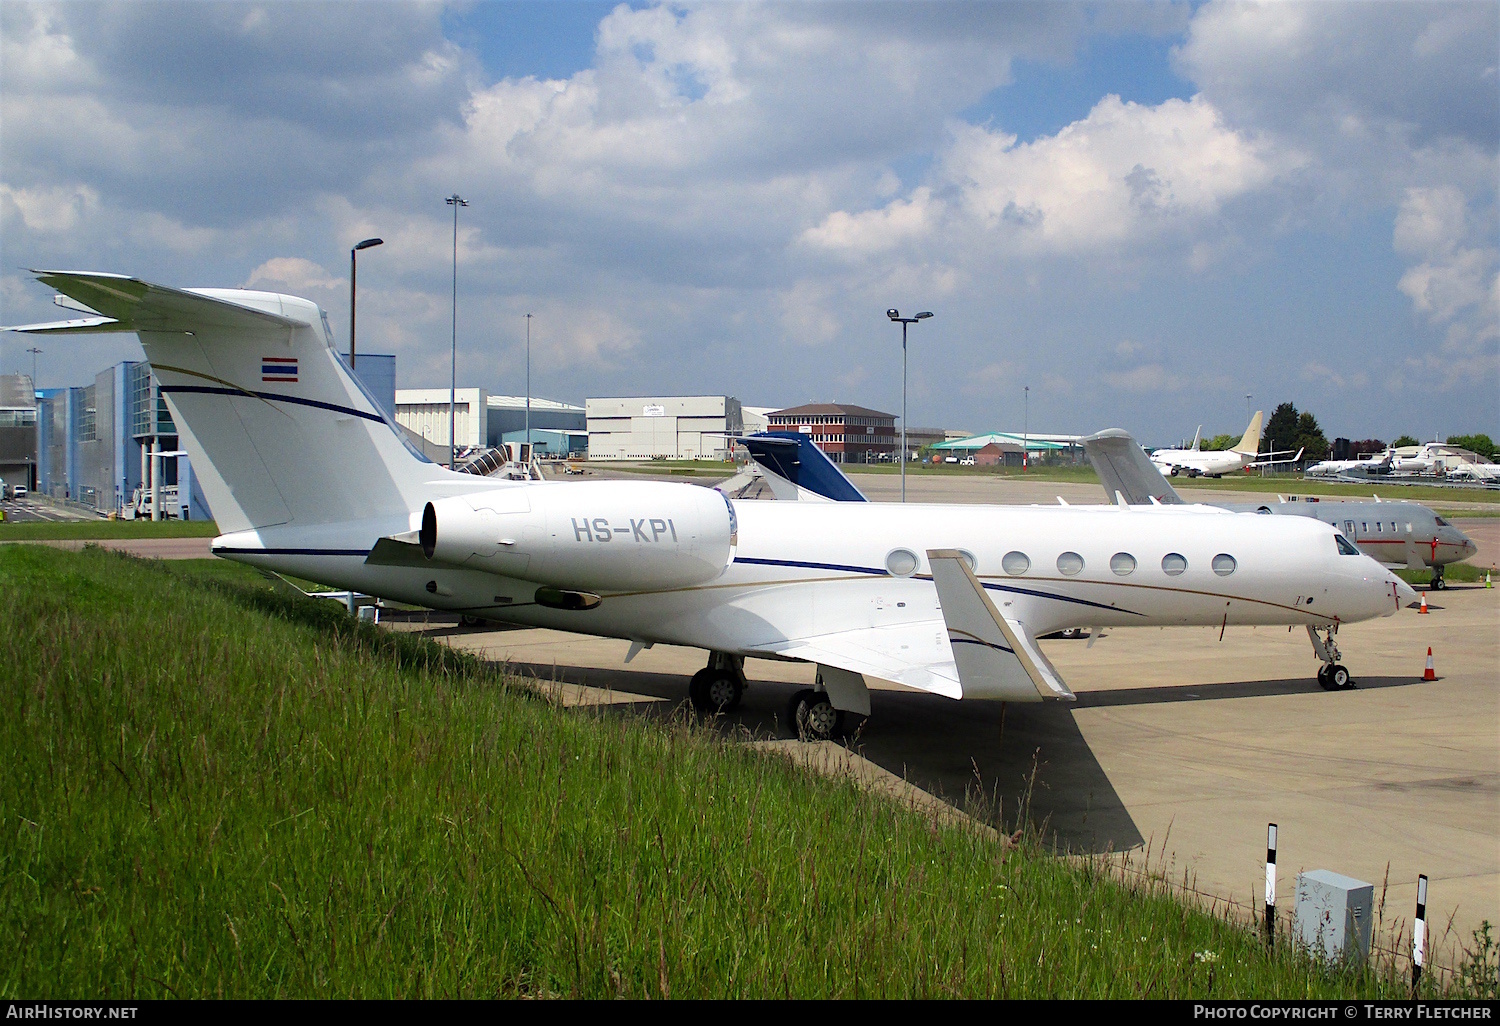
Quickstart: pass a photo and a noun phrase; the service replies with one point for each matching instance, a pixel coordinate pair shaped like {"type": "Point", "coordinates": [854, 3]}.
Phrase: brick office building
{"type": "Point", "coordinates": [847, 434]}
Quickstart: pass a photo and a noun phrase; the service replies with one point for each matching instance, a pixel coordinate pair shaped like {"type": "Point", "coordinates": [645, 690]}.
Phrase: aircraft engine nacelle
{"type": "Point", "coordinates": [593, 536]}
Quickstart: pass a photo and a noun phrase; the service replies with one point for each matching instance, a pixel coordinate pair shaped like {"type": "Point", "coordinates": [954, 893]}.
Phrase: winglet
{"type": "Point", "coordinates": [995, 657]}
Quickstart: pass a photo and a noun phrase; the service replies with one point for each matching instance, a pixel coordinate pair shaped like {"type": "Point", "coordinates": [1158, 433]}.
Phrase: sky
{"type": "Point", "coordinates": [1142, 212]}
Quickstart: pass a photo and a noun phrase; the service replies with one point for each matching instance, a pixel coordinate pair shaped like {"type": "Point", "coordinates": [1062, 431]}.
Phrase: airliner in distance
{"type": "Point", "coordinates": [307, 476]}
{"type": "Point", "coordinates": [1196, 462]}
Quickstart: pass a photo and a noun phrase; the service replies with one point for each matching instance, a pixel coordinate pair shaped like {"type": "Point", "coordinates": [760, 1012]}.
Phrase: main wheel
{"type": "Point", "coordinates": [1323, 681]}
{"type": "Point", "coordinates": [714, 691]}
{"type": "Point", "coordinates": [815, 717]}
{"type": "Point", "coordinates": [1071, 632]}
{"type": "Point", "coordinates": [466, 620]}
{"type": "Point", "coordinates": [1339, 678]}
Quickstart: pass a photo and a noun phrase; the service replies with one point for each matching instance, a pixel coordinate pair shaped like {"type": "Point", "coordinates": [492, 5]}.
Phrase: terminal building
{"type": "Point", "coordinates": [663, 427]}
{"type": "Point", "coordinates": [17, 431]}
{"type": "Point", "coordinates": [846, 434]}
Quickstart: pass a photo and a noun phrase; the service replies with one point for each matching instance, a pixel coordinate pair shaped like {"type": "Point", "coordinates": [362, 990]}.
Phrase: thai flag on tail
{"type": "Point", "coordinates": [278, 368]}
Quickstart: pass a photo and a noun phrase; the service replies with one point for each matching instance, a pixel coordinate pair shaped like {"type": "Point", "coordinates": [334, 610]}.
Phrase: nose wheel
{"type": "Point", "coordinates": [1332, 676]}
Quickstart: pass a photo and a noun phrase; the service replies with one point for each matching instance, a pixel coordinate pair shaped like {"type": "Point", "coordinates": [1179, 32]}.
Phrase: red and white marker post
{"type": "Point", "coordinates": [1419, 935]}
{"type": "Point", "coordinates": [1271, 885]}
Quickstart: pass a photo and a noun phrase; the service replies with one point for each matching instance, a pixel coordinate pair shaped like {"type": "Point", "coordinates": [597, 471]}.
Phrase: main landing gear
{"type": "Point", "coordinates": [719, 686]}
{"type": "Point", "coordinates": [1332, 676]}
{"type": "Point", "coordinates": [835, 707]}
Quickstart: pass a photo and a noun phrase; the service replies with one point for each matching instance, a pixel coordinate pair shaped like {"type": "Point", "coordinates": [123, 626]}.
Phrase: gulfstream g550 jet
{"type": "Point", "coordinates": [306, 476]}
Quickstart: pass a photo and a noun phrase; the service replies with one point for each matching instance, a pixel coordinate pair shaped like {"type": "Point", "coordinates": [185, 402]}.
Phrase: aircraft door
{"type": "Point", "coordinates": [1349, 530]}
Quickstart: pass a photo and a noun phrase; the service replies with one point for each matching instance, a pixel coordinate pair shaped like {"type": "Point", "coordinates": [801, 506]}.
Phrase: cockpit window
{"type": "Point", "coordinates": [1441, 522]}
{"type": "Point", "coordinates": [1345, 547]}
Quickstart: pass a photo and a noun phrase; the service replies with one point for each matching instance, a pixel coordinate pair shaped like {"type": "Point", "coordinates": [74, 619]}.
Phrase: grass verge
{"type": "Point", "coordinates": [1455, 573]}
{"type": "Point", "coordinates": [103, 530]}
{"type": "Point", "coordinates": [215, 788]}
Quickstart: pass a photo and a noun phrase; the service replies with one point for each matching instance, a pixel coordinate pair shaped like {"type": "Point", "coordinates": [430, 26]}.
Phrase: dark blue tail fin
{"type": "Point", "coordinates": [789, 458]}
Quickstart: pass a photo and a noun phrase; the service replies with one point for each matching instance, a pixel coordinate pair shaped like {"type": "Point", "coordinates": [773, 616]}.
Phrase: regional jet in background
{"type": "Point", "coordinates": [1196, 462]}
{"type": "Point", "coordinates": [308, 477]}
{"type": "Point", "coordinates": [1401, 533]}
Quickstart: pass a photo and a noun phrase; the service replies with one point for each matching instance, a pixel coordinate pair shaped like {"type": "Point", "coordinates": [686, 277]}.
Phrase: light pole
{"type": "Point", "coordinates": [1025, 427]}
{"type": "Point", "coordinates": [895, 315]}
{"type": "Point", "coordinates": [528, 386]}
{"type": "Point", "coordinates": [454, 201]}
{"type": "Point", "coordinates": [37, 422]}
{"type": "Point", "coordinates": [353, 268]}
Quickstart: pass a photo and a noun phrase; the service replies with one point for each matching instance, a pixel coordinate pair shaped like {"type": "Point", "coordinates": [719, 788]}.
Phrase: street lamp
{"type": "Point", "coordinates": [1025, 427]}
{"type": "Point", "coordinates": [528, 386]}
{"type": "Point", "coordinates": [895, 315]}
{"type": "Point", "coordinates": [352, 269]}
{"type": "Point", "coordinates": [37, 423]}
{"type": "Point", "coordinates": [454, 201]}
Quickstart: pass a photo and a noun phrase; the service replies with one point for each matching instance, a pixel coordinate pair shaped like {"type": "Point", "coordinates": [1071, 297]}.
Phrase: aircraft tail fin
{"type": "Point", "coordinates": [1197, 438]}
{"type": "Point", "coordinates": [995, 657]}
{"type": "Point", "coordinates": [797, 469]}
{"type": "Point", "coordinates": [278, 428]}
{"type": "Point", "coordinates": [1124, 469]}
{"type": "Point", "coordinates": [1250, 443]}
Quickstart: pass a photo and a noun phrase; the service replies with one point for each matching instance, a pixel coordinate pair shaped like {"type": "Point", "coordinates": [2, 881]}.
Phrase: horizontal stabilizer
{"type": "Point", "coordinates": [1123, 468]}
{"type": "Point", "coordinates": [996, 657]}
{"type": "Point", "coordinates": [137, 305]}
{"type": "Point", "coordinates": [797, 469]}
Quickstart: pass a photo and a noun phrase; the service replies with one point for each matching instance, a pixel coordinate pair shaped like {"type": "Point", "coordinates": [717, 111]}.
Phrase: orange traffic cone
{"type": "Point", "coordinates": [1424, 603]}
{"type": "Point", "coordinates": [1429, 673]}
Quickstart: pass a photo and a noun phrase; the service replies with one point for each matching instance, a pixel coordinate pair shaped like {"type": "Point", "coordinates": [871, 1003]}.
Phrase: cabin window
{"type": "Point", "coordinates": [1364, 528]}
{"type": "Point", "coordinates": [1173, 563]}
{"type": "Point", "coordinates": [1122, 563]}
{"type": "Point", "coordinates": [1015, 563]}
{"type": "Point", "coordinates": [1224, 564]}
{"type": "Point", "coordinates": [969, 558]}
{"type": "Point", "coordinates": [901, 562]}
{"type": "Point", "coordinates": [1346, 548]}
{"type": "Point", "coordinates": [1070, 564]}
{"type": "Point", "coordinates": [1379, 527]}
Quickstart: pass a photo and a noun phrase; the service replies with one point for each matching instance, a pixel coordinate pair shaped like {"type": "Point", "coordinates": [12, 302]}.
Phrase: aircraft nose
{"type": "Point", "coordinates": [1405, 593]}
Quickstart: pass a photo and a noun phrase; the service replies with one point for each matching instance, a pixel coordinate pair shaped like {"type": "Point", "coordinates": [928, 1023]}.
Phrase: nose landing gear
{"type": "Point", "coordinates": [1332, 676]}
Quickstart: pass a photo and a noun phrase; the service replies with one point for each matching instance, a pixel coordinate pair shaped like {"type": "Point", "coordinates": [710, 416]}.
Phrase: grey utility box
{"type": "Point", "coordinates": [1334, 915]}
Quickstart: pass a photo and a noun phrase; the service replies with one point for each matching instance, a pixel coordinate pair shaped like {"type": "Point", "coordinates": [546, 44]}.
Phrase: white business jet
{"type": "Point", "coordinates": [1196, 462]}
{"type": "Point", "coordinates": [306, 476]}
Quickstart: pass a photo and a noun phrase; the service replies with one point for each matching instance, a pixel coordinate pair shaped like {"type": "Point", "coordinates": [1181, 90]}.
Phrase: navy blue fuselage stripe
{"type": "Point", "coordinates": [278, 397]}
{"type": "Point", "coordinates": [927, 577]}
{"type": "Point", "coordinates": [292, 552]}
{"type": "Point", "coordinates": [812, 566]}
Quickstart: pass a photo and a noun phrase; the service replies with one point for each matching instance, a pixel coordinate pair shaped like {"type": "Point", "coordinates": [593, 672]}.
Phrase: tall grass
{"type": "Point", "coordinates": [215, 789]}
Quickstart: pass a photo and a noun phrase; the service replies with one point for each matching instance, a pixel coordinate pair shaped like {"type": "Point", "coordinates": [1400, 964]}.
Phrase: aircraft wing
{"type": "Point", "coordinates": [915, 654]}
{"type": "Point", "coordinates": [130, 304]}
{"type": "Point", "coordinates": [1273, 460]}
{"type": "Point", "coordinates": [1126, 471]}
{"type": "Point", "coordinates": [972, 652]}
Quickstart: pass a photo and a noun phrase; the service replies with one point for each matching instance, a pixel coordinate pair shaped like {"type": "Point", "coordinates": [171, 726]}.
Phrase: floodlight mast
{"type": "Point", "coordinates": [353, 275]}
{"type": "Point", "coordinates": [454, 201]}
{"type": "Point", "coordinates": [895, 315]}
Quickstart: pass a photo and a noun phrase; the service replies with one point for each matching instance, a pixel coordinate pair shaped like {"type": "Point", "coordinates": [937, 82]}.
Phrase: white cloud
{"type": "Point", "coordinates": [49, 209]}
{"type": "Point", "coordinates": [295, 273]}
{"type": "Point", "coordinates": [1126, 173]}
